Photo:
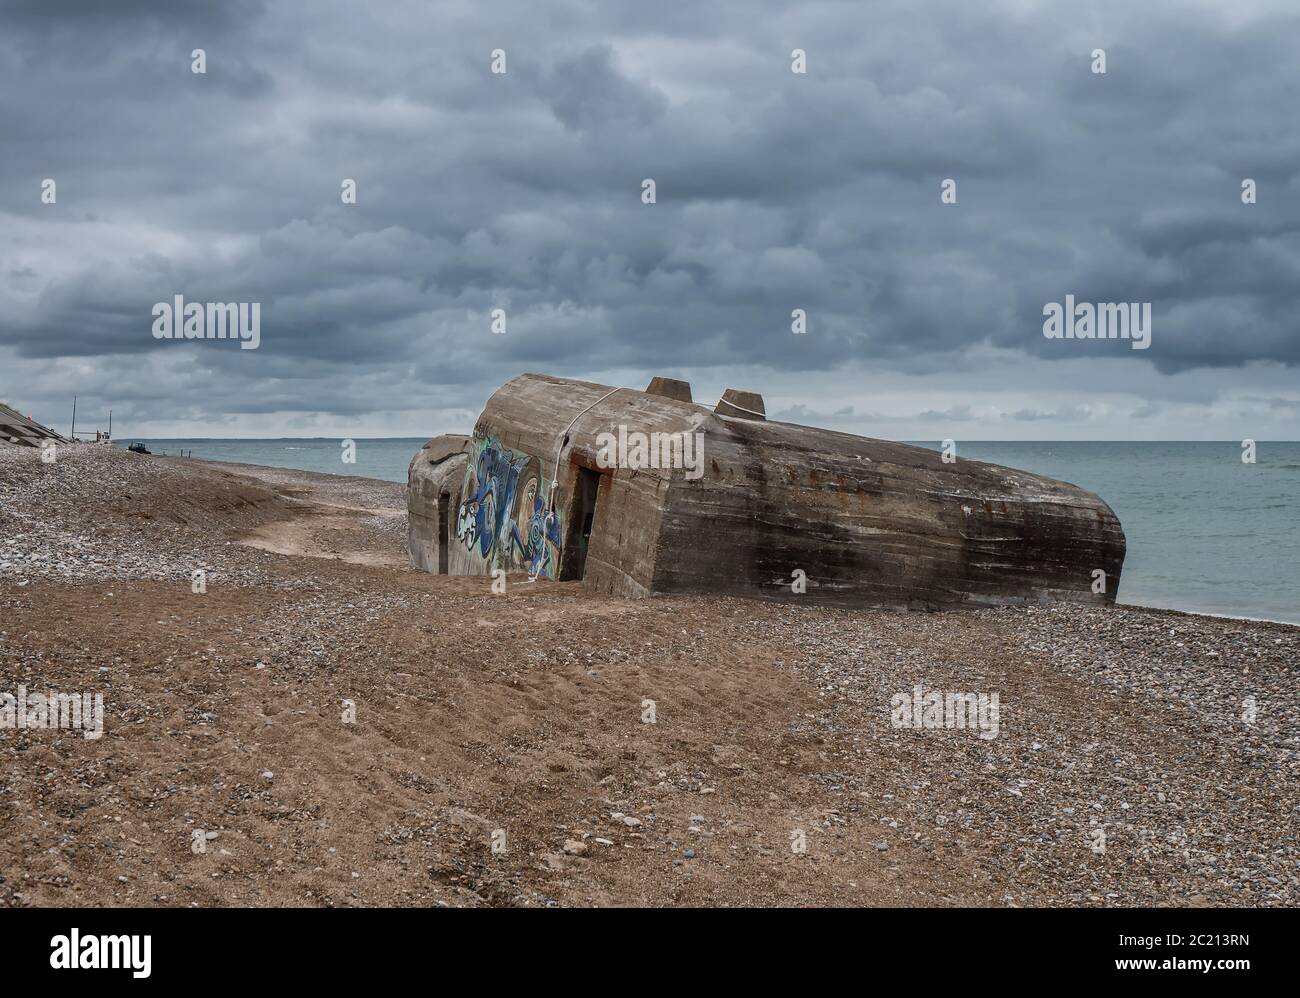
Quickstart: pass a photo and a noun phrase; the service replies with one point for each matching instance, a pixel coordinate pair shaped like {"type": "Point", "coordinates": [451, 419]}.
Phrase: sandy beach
{"type": "Point", "coordinates": [501, 753]}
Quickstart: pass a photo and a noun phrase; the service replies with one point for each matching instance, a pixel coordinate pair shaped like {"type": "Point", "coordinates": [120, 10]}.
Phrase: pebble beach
{"type": "Point", "coordinates": [1142, 757]}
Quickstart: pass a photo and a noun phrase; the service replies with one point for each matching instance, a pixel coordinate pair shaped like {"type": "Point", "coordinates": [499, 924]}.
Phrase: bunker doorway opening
{"type": "Point", "coordinates": [586, 492]}
{"type": "Point", "coordinates": [444, 530]}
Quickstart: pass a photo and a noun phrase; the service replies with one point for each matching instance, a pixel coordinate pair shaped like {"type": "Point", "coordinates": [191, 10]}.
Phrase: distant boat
{"type": "Point", "coordinates": [138, 448]}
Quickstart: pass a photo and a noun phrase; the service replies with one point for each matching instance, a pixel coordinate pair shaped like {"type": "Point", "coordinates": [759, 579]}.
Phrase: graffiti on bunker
{"type": "Point", "coordinates": [503, 521]}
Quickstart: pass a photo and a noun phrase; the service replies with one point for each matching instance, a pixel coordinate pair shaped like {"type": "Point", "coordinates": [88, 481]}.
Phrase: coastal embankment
{"type": "Point", "coordinates": [310, 722]}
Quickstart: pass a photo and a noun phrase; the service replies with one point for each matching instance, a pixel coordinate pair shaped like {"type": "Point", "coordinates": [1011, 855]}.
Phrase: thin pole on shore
{"type": "Point", "coordinates": [73, 435]}
{"type": "Point", "coordinates": [110, 424]}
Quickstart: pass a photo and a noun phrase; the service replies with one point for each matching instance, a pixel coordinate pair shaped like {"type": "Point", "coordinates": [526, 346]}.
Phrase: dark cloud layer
{"type": "Point", "coordinates": [775, 191]}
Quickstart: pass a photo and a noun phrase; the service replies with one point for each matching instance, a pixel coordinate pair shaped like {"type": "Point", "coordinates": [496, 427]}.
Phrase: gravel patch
{"type": "Point", "coordinates": [1142, 756]}
{"type": "Point", "coordinates": [1138, 757]}
{"type": "Point", "coordinates": [102, 513]}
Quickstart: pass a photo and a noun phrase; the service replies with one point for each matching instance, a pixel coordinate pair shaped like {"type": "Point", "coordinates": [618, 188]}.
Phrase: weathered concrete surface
{"type": "Point", "coordinates": [878, 523]}
{"type": "Point", "coordinates": [15, 428]}
{"type": "Point", "coordinates": [436, 471]}
{"type": "Point", "coordinates": [530, 415]}
{"type": "Point", "coordinates": [741, 405]}
{"type": "Point", "coordinates": [868, 522]}
{"type": "Point", "coordinates": [670, 388]}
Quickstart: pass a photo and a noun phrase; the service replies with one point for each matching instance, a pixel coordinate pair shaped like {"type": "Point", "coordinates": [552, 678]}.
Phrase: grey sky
{"type": "Point", "coordinates": [775, 191]}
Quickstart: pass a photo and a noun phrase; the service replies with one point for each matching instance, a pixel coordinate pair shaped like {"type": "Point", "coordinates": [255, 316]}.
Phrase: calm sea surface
{"type": "Point", "coordinates": [1205, 532]}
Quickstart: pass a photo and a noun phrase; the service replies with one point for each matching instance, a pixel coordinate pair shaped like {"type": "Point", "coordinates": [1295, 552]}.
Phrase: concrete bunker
{"type": "Point", "coordinates": [570, 480]}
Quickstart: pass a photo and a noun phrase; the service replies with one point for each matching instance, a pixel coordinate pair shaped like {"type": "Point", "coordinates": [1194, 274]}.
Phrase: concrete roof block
{"type": "Point", "coordinates": [670, 388]}
{"type": "Point", "coordinates": [741, 405]}
{"type": "Point", "coordinates": [442, 447]}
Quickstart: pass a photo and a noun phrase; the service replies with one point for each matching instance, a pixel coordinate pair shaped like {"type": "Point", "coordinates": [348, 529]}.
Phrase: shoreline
{"type": "Point", "coordinates": [273, 468]}
{"type": "Point", "coordinates": [1207, 614]}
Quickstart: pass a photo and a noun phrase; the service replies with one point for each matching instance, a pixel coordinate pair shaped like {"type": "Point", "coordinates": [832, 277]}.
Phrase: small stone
{"type": "Point", "coordinates": [631, 822]}
{"type": "Point", "coordinates": [882, 846]}
{"type": "Point", "coordinates": [575, 848]}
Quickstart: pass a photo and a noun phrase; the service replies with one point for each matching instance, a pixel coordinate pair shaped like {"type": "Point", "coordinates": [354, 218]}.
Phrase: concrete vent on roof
{"type": "Point", "coordinates": [670, 388]}
{"type": "Point", "coordinates": [741, 405]}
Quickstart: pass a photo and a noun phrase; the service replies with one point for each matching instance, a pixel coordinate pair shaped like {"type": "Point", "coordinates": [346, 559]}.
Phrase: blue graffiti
{"type": "Point", "coordinates": [494, 507]}
{"type": "Point", "coordinates": [543, 537]}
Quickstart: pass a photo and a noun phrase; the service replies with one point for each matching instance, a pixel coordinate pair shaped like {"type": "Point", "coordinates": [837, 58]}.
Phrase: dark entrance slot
{"type": "Point", "coordinates": [579, 532]}
{"type": "Point", "coordinates": [444, 531]}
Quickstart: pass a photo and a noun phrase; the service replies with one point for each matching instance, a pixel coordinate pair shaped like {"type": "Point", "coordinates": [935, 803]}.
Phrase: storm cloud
{"type": "Point", "coordinates": [775, 191]}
